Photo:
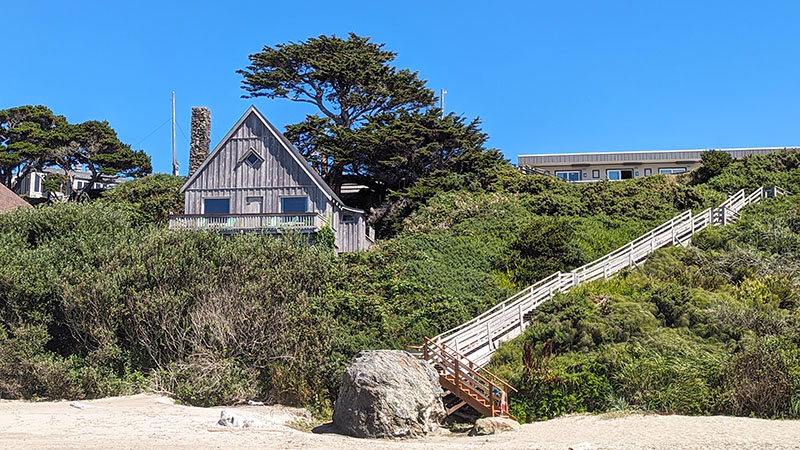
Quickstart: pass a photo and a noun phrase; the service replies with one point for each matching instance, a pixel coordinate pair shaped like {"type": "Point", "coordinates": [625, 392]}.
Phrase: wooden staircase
{"type": "Point", "coordinates": [477, 339]}
{"type": "Point", "coordinates": [459, 354]}
{"type": "Point", "coordinates": [469, 383]}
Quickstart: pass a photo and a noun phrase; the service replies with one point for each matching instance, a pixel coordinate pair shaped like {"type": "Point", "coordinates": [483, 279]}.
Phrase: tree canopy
{"type": "Point", "coordinates": [374, 122]}
{"type": "Point", "coordinates": [33, 138]}
{"type": "Point", "coordinates": [27, 140]}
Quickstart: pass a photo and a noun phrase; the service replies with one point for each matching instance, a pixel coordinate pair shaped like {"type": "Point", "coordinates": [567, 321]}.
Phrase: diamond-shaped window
{"type": "Point", "coordinates": [253, 159]}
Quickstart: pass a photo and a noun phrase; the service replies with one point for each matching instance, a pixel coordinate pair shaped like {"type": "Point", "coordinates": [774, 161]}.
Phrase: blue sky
{"type": "Point", "coordinates": [557, 76]}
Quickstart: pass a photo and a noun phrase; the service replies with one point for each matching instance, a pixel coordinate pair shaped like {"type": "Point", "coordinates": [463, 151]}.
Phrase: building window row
{"type": "Point", "coordinates": [614, 174]}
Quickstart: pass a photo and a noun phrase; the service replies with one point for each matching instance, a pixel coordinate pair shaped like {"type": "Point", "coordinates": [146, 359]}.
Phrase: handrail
{"type": "Point", "coordinates": [463, 378]}
{"type": "Point", "coordinates": [445, 352]}
{"type": "Point", "coordinates": [444, 348]}
{"type": "Point", "coordinates": [476, 339]}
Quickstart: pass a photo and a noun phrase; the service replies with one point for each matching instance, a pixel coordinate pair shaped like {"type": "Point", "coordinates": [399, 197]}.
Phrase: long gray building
{"type": "Point", "coordinates": [598, 166]}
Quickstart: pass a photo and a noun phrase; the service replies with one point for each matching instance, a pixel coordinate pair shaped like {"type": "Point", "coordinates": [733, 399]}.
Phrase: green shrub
{"type": "Point", "coordinates": [148, 200]}
{"type": "Point", "coordinates": [713, 163]}
{"type": "Point", "coordinates": [544, 246]}
{"type": "Point", "coordinates": [762, 380]}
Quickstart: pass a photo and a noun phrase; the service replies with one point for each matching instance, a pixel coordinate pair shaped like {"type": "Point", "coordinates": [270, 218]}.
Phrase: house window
{"type": "Point", "coordinates": [595, 174]}
{"type": "Point", "coordinates": [569, 175]}
{"type": "Point", "coordinates": [216, 205]}
{"type": "Point", "coordinates": [294, 204]}
{"type": "Point", "coordinates": [648, 172]}
{"type": "Point", "coordinates": [348, 218]}
{"type": "Point", "coordinates": [619, 174]}
{"type": "Point", "coordinates": [253, 159]}
{"type": "Point", "coordinates": [671, 170]}
{"type": "Point", "coordinates": [37, 183]}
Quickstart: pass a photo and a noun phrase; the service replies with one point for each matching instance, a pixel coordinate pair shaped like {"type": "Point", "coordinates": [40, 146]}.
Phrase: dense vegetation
{"type": "Point", "coordinates": [710, 328]}
{"type": "Point", "coordinates": [99, 299]}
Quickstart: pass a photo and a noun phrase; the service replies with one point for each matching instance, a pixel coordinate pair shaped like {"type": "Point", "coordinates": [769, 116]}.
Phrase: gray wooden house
{"type": "Point", "coordinates": [255, 180]}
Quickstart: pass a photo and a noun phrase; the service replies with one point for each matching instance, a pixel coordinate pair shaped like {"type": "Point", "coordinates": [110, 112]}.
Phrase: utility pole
{"type": "Point", "coordinates": [174, 153]}
{"type": "Point", "coordinates": [442, 92]}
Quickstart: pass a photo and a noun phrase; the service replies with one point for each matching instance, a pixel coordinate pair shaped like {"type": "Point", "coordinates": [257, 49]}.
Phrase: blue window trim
{"type": "Point", "coordinates": [294, 208]}
{"type": "Point", "coordinates": [214, 209]}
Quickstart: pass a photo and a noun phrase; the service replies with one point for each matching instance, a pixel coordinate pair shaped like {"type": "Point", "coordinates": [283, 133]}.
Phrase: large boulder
{"type": "Point", "coordinates": [388, 394]}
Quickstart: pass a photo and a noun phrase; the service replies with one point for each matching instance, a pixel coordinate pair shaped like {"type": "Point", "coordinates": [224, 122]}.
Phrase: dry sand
{"type": "Point", "coordinates": [154, 422]}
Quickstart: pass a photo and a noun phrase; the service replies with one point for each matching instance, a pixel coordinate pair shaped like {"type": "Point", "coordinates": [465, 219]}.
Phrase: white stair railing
{"type": "Point", "coordinates": [478, 338]}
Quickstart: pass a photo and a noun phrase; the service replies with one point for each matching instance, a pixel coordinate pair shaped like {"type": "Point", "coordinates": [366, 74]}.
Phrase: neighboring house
{"type": "Point", "coordinates": [589, 167]}
{"type": "Point", "coordinates": [9, 201]}
{"type": "Point", "coordinates": [32, 186]}
{"type": "Point", "coordinates": [255, 180]}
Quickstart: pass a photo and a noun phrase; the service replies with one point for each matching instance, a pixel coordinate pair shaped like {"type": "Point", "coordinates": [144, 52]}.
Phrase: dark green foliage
{"type": "Point", "coordinates": [374, 123]}
{"type": "Point", "coordinates": [148, 200]}
{"type": "Point", "coordinates": [326, 238]}
{"type": "Point", "coordinates": [774, 169]}
{"type": "Point", "coordinates": [713, 163]}
{"type": "Point", "coordinates": [26, 140]}
{"type": "Point", "coordinates": [194, 312]}
{"type": "Point", "coordinates": [543, 246]}
{"type": "Point", "coordinates": [349, 81]}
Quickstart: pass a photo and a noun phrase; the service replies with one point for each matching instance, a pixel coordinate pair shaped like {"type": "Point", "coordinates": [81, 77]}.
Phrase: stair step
{"type": "Point", "coordinates": [456, 407]}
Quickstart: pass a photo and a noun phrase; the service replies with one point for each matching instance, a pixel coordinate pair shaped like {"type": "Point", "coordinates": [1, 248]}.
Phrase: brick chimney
{"type": "Point", "coordinates": [201, 138]}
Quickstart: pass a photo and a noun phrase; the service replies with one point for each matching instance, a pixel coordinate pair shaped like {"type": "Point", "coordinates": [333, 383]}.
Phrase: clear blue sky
{"type": "Point", "coordinates": [556, 76]}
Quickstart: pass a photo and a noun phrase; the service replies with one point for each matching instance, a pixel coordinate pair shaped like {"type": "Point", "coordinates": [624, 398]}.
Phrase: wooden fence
{"type": "Point", "coordinates": [478, 338]}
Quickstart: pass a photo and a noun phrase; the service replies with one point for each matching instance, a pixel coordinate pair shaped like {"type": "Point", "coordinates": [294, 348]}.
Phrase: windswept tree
{"type": "Point", "coordinates": [408, 146]}
{"type": "Point", "coordinates": [32, 138]}
{"type": "Point", "coordinates": [103, 154]}
{"type": "Point", "coordinates": [374, 121]}
{"type": "Point", "coordinates": [26, 141]}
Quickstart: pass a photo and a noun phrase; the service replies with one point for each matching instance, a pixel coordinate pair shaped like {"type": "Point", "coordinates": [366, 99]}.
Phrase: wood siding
{"type": "Point", "coordinates": [351, 236]}
{"type": "Point", "coordinates": [225, 174]}
{"type": "Point", "coordinates": [279, 175]}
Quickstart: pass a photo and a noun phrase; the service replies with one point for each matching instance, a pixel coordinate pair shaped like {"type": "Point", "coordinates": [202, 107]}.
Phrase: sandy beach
{"type": "Point", "coordinates": [148, 421]}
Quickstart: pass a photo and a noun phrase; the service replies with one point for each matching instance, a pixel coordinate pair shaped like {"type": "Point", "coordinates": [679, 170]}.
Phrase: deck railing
{"type": "Point", "coordinates": [248, 222]}
{"type": "Point", "coordinates": [478, 338]}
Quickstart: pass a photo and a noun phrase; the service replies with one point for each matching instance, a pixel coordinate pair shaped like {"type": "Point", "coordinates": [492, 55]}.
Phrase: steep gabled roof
{"type": "Point", "coordinates": [285, 143]}
{"type": "Point", "coordinates": [10, 201]}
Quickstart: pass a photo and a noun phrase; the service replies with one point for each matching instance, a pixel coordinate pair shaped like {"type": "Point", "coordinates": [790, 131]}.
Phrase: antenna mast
{"type": "Point", "coordinates": [174, 153]}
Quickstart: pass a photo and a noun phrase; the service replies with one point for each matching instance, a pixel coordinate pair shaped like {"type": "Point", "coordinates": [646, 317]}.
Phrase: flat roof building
{"type": "Point", "coordinates": [598, 166]}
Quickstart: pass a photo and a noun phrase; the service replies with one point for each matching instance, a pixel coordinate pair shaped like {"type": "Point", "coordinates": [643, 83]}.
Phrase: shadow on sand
{"type": "Point", "coordinates": [326, 428]}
